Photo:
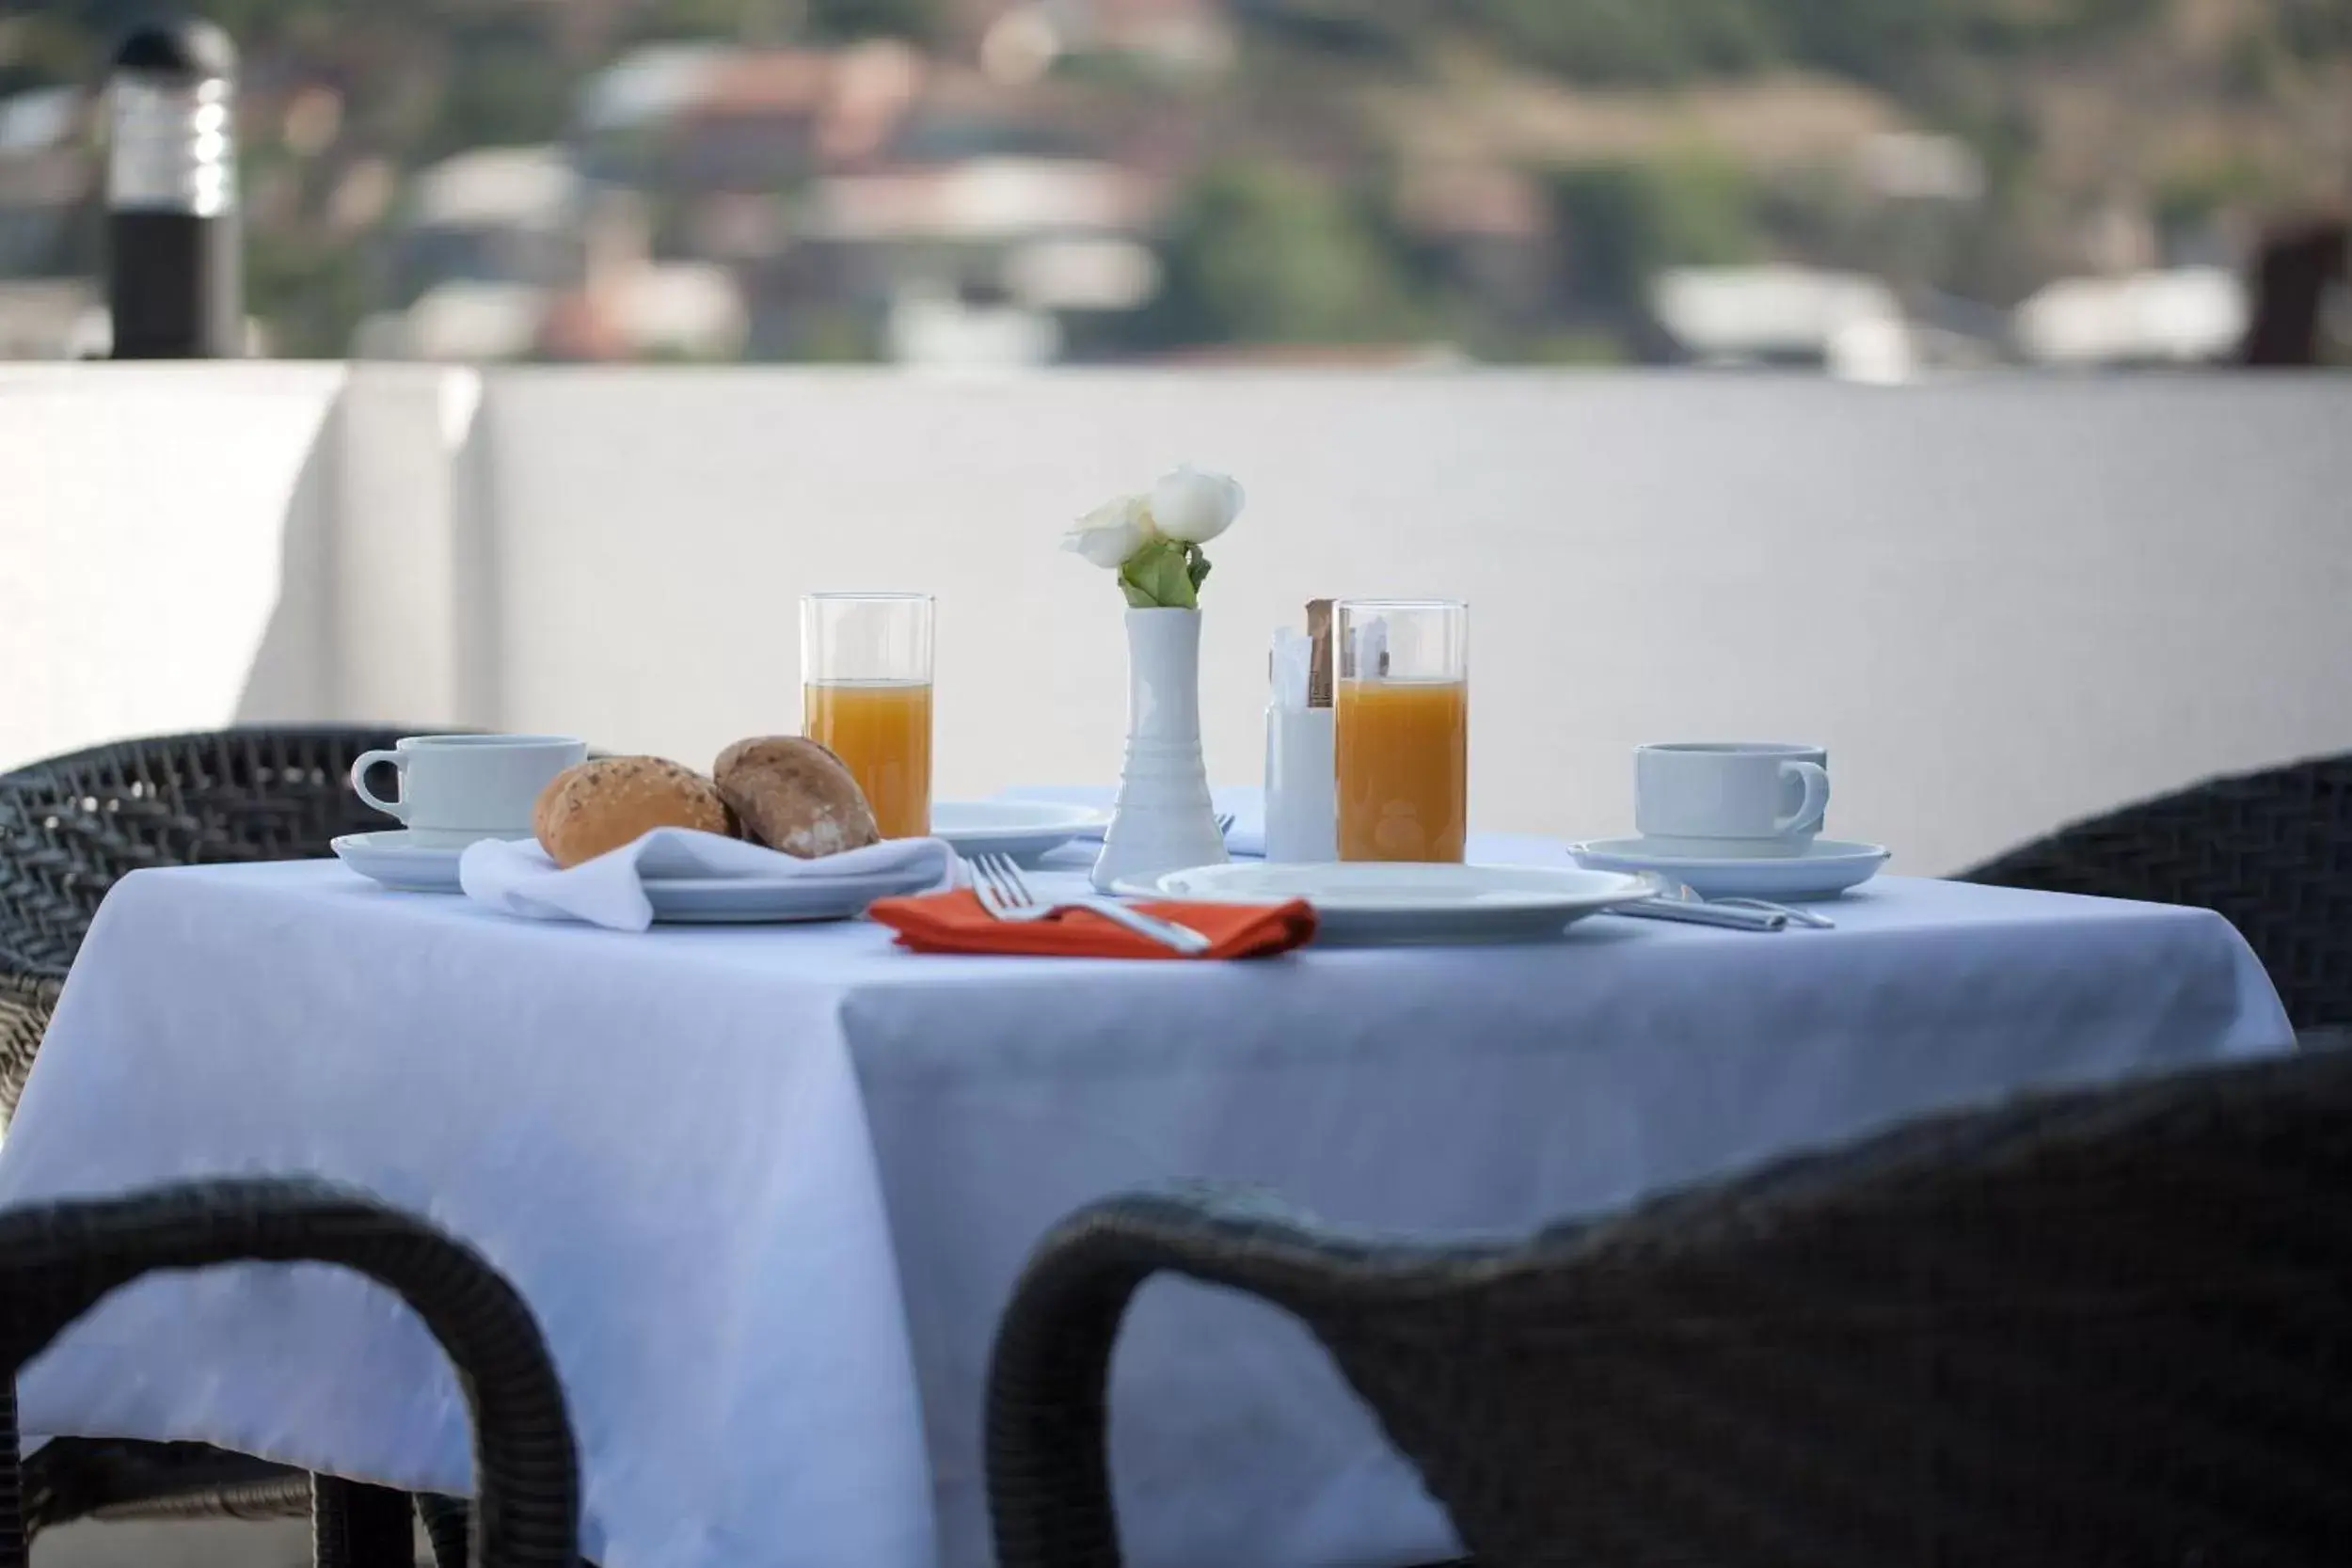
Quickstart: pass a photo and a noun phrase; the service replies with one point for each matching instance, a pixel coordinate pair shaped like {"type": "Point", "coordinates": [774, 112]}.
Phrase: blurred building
{"type": "Point", "coordinates": [1055, 234]}
{"type": "Point", "coordinates": [1020, 41]}
{"type": "Point", "coordinates": [498, 215]}
{"type": "Point", "coordinates": [462, 322]}
{"type": "Point", "coordinates": [872, 200]}
{"type": "Point", "coordinates": [484, 242]}
{"type": "Point", "coordinates": [1110, 178]}
{"type": "Point", "coordinates": [1915, 166]}
{"type": "Point", "coordinates": [510, 253]}
{"type": "Point", "coordinates": [2184, 316]}
{"type": "Point", "coordinates": [672, 310]}
{"type": "Point", "coordinates": [1489, 229]}
{"type": "Point", "coordinates": [930, 328]}
{"type": "Point", "coordinates": [1847, 323]}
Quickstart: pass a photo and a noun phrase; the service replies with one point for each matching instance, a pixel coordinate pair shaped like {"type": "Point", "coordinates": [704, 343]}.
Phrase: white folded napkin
{"type": "Point", "coordinates": [518, 878]}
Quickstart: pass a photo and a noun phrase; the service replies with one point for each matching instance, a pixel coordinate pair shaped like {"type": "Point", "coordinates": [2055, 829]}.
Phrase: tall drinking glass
{"type": "Point", "coordinates": [1401, 722]}
{"type": "Point", "coordinates": [866, 693]}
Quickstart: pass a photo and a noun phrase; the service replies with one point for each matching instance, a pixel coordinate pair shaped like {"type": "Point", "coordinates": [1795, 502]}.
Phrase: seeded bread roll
{"type": "Point", "coordinates": [604, 804]}
{"type": "Point", "coordinates": [792, 793]}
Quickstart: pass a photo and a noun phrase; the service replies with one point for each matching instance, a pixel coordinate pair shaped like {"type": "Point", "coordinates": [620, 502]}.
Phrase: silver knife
{"type": "Point", "coordinates": [1729, 917]}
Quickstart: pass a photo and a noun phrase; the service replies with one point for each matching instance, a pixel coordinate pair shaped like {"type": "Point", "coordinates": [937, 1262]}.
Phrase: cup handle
{"type": "Point", "coordinates": [395, 809]}
{"type": "Point", "coordinates": [1808, 815]}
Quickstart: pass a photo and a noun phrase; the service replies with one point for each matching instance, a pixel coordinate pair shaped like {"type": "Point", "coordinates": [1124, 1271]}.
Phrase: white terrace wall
{"type": "Point", "coordinates": [2000, 603]}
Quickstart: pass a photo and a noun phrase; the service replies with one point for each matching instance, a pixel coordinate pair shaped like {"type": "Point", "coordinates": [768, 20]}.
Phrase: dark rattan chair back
{"type": "Point", "coordinates": [2272, 851]}
{"type": "Point", "coordinates": [2110, 1327]}
{"type": "Point", "coordinates": [59, 1260]}
{"type": "Point", "coordinates": [73, 826]}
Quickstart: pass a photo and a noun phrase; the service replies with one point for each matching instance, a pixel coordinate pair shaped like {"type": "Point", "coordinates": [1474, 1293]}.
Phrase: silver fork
{"type": "Point", "coordinates": [1002, 891]}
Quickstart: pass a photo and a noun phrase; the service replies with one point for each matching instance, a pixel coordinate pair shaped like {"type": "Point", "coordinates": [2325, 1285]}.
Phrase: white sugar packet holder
{"type": "Point", "coordinates": [516, 877]}
{"type": "Point", "coordinates": [1301, 793]}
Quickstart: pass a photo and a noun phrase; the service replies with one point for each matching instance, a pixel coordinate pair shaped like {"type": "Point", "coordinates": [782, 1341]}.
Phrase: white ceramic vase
{"type": "Point", "coordinates": [1163, 820]}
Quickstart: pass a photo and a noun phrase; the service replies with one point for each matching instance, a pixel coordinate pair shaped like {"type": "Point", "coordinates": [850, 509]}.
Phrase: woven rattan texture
{"type": "Point", "coordinates": [2111, 1328]}
{"type": "Point", "coordinates": [59, 1260]}
{"type": "Point", "coordinates": [73, 826]}
{"type": "Point", "coordinates": [2272, 851]}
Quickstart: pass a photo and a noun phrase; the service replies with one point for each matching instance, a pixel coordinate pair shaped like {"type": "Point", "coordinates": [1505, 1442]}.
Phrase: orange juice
{"type": "Point", "coordinates": [1403, 768]}
{"type": "Point", "coordinates": [882, 730]}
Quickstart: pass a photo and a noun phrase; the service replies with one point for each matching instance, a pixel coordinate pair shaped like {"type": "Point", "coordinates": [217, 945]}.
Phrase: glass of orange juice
{"type": "Point", "coordinates": [866, 693]}
{"type": "Point", "coordinates": [1401, 725]}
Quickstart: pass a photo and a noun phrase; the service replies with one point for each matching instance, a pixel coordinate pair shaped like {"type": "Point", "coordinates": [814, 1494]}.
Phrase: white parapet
{"type": "Point", "coordinates": [1999, 602]}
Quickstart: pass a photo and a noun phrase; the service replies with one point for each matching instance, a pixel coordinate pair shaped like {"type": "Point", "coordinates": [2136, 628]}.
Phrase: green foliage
{"type": "Point", "coordinates": [714, 20]}
{"type": "Point", "coordinates": [1260, 252]}
{"type": "Point", "coordinates": [1263, 254]}
{"type": "Point", "coordinates": [2256, 65]}
{"type": "Point", "coordinates": [2314, 27]}
{"type": "Point", "coordinates": [1164, 574]}
{"type": "Point", "coordinates": [1634, 41]}
{"type": "Point", "coordinates": [775, 20]}
{"type": "Point", "coordinates": [43, 50]}
{"type": "Point", "coordinates": [1901, 45]}
{"type": "Point", "coordinates": [311, 296]}
{"type": "Point", "coordinates": [69, 40]}
{"type": "Point", "coordinates": [831, 336]}
{"type": "Point", "coordinates": [2191, 193]}
{"type": "Point", "coordinates": [508, 91]}
{"type": "Point", "coordinates": [1365, 30]}
{"type": "Point", "coordinates": [857, 19]}
{"type": "Point", "coordinates": [1622, 223]}
{"type": "Point", "coordinates": [1885, 41]}
{"type": "Point", "coordinates": [1565, 349]}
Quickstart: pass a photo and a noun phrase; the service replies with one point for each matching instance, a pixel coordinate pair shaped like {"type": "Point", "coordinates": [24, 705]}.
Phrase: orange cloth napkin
{"type": "Point", "coordinates": [955, 922]}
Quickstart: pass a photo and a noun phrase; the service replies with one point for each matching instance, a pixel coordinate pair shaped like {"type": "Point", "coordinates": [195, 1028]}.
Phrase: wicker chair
{"type": "Point", "coordinates": [59, 1260]}
{"type": "Point", "coordinates": [70, 828]}
{"type": "Point", "coordinates": [2272, 851]}
{"type": "Point", "coordinates": [2110, 1327]}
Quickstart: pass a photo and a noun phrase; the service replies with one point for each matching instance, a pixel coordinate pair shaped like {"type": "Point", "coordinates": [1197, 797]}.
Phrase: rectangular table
{"type": "Point", "coordinates": [769, 1188]}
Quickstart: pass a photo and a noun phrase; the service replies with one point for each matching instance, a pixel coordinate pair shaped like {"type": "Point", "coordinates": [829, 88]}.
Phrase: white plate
{"type": "Point", "coordinates": [1381, 901]}
{"type": "Point", "coordinates": [1022, 829]}
{"type": "Point", "coordinates": [1828, 867]}
{"type": "Point", "coordinates": [395, 859]}
{"type": "Point", "coordinates": [749, 900]}
{"type": "Point", "coordinates": [391, 858]}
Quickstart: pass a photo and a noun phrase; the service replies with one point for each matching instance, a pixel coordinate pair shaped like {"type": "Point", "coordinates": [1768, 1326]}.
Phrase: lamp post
{"type": "Point", "coordinates": [174, 253]}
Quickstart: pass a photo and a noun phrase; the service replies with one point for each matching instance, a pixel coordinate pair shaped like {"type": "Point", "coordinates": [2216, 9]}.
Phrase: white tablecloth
{"type": "Point", "coordinates": [769, 1188]}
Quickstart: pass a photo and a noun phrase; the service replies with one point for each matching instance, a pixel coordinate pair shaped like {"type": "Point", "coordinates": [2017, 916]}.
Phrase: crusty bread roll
{"type": "Point", "coordinates": [793, 795]}
{"type": "Point", "coordinates": [601, 805]}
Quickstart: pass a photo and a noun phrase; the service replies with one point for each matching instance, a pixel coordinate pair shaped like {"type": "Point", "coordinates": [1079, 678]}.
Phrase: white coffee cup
{"type": "Point", "coordinates": [457, 788]}
{"type": "Point", "coordinates": [1730, 799]}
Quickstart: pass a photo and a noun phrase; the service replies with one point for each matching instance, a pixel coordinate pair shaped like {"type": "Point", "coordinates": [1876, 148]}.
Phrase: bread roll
{"type": "Point", "coordinates": [793, 795]}
{"type": "Point", "coordinates": [601, 805]}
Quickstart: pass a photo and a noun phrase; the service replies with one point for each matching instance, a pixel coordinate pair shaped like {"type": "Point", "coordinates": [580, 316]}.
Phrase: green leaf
{"type": "Point", "coordinates": [1196, 567]}
{"type": "Point", "coordinates": [1159, 576]}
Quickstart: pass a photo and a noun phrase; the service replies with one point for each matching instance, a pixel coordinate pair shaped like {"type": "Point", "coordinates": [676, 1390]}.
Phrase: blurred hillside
{"type": "Point", "coordinates": [1014, 179]}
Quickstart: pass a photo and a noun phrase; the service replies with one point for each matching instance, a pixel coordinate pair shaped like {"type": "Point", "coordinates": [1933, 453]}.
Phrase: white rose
{"type": "Point", "coordinates": [1194, 507]}
{"type": "Point", "coordinates": [1114, 530]}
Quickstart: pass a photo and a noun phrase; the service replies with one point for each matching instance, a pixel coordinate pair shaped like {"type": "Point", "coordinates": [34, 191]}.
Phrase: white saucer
{"type": "Point", "coordinates": [1022, 829]}
{"type": "Point", "coordinates": [1827, 867]}
{"type": "Point", "coordinates": [1378, 901]}
{"type": "Point", "coordinates": [395, 859]}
